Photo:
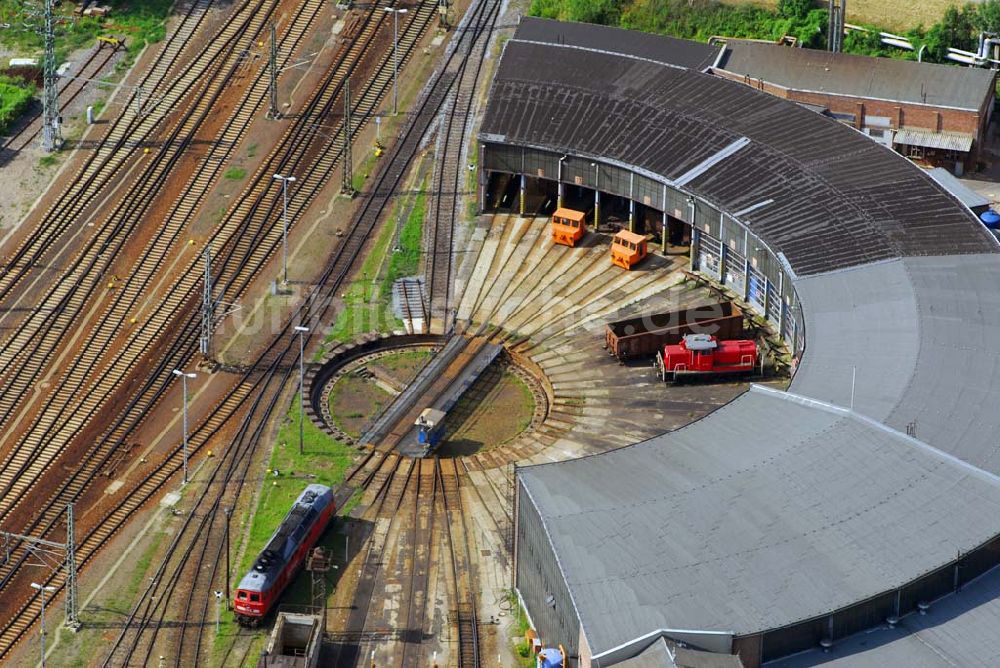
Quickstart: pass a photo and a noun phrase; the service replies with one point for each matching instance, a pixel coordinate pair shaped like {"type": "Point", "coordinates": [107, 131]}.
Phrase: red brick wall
{"type": "Point", "coordinates": [902, 114]}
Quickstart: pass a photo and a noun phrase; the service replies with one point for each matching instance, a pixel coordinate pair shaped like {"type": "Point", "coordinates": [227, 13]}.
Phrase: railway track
{"type": "Point", "coordinates": [464, 603]}
{"type": "Point", "coordinates": [68, 411]}
{"type": "Point", "coordinates": [316, 305]}
{"type": "Point", "coordinates": [449, 176]}
{"type": "Point", "coordinates": [182, 568]}
{"type": "Point", "coordinates": [412, 504]}
{"type": "Point", "coordinates": [119, 145]}
{"type": "Point", "coordinates": [96, 61]}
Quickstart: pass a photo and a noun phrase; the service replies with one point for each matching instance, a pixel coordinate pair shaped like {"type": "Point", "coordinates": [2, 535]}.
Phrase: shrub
{"type": "Point", "coordinates": [15, 96]}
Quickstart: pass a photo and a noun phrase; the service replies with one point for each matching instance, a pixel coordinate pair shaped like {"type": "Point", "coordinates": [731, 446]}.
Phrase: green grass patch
{"type": "Point", "coordinates": [217, 215]}
{"type": "Point", "coordinates": [251, 150]}
{"type": "Point", "coordinates": [138, 22]}
{"type": "Point", "coordinates": [956, 26]}
{"type": "Point", "coordinates": [366, 309]}
{"type": "Point", "coordinates": [406, 261]}
{"type": "Point", "coordinates": [522, 650]}
{"type": "Point", "coordinates": [48, 160]}
{"type": "Point", "coordinates": [15, 96]}
{"type": "Point", "coordinates": [235, 173]}
{"type": "Point", "coordinates": [322, 457]}
{"type": "Point", "coordinates": [361, 174]}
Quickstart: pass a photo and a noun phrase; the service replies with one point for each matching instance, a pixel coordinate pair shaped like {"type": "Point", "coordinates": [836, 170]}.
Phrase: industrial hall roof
{"type": "Point", "coordinates": [959, 630]}
{"type": "Point", "coordinates": [655, 48]}
{"type": "Point", "coordinates": [779, 507]}
{"type": "Point", "coordinates": [886, 79]}
{"type": "Point", "coordinates": [769, 511]}
{"type": "Point", "coordinates": [949, 141]}
{"type": "Point", "coordinates": [660, 654]}
{"type": "Point", "coordinates": [819, 192]}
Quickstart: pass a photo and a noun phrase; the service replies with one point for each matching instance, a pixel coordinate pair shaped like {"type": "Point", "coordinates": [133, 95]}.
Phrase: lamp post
{"type": "Point", "coordinates": [41, 590]}
{"type": "Point", "coordinates": [395, 55]}
{"type": "Point", "coordinates": [302, 382]}
{"type": "Point", "coordinates": [184, 444]}
{"type": "Point", "coordinates": [285, 180]}
{"type": "Point", "coordinates": [229, 599]}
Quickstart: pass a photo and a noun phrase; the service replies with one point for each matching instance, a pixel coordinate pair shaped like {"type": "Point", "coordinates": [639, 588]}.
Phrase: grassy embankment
{"type": "Point", "coordinates": [368, 298]}
{"type": "Point", "coordinates": [15, 96]}
{"type": "Point", "coordinates": [324, 461]}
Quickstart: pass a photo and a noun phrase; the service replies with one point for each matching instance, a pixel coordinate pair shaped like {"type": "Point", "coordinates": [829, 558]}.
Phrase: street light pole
{"type": "Point", "coordinates": [285, 180]}
{"type": "Point", "coordinates": [227, 512]}
{"type": "Point", "coordinates": [41, 590]}
{"type": "Point", "coordinates": [302, 383]}
{"type": "Point", "coordinates": [184, 444]}
{"type": "Point", "coordinates": [395, 56]}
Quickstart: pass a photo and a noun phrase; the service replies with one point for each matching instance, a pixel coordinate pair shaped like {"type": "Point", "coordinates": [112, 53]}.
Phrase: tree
{"type": "Point", "coordinates": [604, 12]}
{"type": "Point", "coordinates": [989, 16]}
{"type": "Point", "coordinates": [796, 9]}
{"type": "Point", "coordinates": [957, 29]}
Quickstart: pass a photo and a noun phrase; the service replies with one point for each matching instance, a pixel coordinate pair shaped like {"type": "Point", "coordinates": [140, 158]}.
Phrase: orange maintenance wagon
{"type": "Point", "coordinates": [627, 249]}
{"type": "Point", "coordinates": [568, 226]}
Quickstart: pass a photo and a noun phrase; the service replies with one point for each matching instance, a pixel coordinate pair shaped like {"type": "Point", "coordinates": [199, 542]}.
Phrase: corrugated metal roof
{"type": "Point", "coordinates": [962, 192]}
{"type": "Point", "coordinates": [839, 199]}
{"type": "Point", "coordinates": [762, 514]}
{"type": "Point", "coordinates": [952, 141]}
{"type": "Point", "coordinates": [861, 76]}
{"type": "Point", "coordinates": [658, 48]}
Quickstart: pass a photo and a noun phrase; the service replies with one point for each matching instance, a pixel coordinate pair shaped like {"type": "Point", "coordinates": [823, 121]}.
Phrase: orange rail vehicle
{"type": "Point", "coordinates": [627, 249]}
{"type": "Point", "coordinates": [568, 226]}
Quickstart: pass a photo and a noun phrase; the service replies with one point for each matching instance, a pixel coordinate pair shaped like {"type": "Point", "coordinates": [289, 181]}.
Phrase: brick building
{"type": "Point", "coordinates": [939, 114]}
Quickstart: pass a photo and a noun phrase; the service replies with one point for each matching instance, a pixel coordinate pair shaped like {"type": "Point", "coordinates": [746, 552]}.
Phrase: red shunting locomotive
{"type": "Point", "coordinates": [704, 355]}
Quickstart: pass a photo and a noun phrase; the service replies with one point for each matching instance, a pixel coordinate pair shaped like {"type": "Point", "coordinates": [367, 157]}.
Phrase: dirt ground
{"type": "Point", "coordinates": [354, 401]}
{"type": "Point", "coordinates": [29, 172]}
{"type": "Point", "coordinates": [496, 408]}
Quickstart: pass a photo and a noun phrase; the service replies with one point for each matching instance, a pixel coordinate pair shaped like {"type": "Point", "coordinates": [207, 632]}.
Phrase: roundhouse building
{"type": "Point", "coordinates": [937, 113]}
{"type": "Point", "coordinates": [785, 521]}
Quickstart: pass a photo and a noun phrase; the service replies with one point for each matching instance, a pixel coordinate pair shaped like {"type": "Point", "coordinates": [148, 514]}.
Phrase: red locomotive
{"type": "Point", "coordinates": [704, 355]}
{"type": "Point", "coordinates": [278, 563]}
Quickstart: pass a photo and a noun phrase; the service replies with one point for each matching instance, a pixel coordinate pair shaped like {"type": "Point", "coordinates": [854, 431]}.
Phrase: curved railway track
{"type": "Point", "coordinates": [448, 180]}
{"type": "Point", "coordinates": [67, 411]}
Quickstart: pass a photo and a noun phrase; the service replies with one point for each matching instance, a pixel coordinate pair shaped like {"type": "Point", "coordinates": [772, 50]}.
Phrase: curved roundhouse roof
{"type": "Point", "coordinates": [778, 507]}
{"type": "Point", "coordinates": [839, 199]}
